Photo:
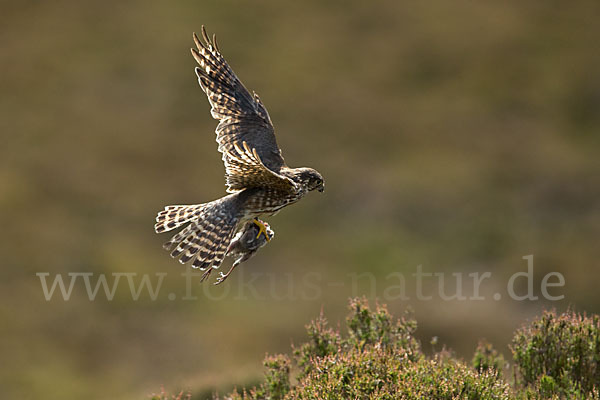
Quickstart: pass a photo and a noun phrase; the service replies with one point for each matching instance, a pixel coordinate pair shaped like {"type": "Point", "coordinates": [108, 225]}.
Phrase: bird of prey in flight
{"type": "Point", "coordinates": [257, 178]}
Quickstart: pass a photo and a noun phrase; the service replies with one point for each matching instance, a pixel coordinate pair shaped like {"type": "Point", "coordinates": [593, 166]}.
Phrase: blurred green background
{"type": "Point", "coordinates": [460, 136]}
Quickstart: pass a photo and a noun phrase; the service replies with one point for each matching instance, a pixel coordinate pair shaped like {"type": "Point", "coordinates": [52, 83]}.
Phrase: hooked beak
{"type": "Point", "coordinates": [321, 188]}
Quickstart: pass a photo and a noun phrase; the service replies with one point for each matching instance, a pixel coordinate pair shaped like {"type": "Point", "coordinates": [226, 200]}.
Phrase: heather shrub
{"type": "Point", "coordinates": [380, 374]}
{"type": "Point", "coordinates": [366, 327]}
{"type": "Point", "coordinates": [559, 355]}
{"type": "Point", "coordinates": [277, 379]}
{"type": "Point", "coordinates": [163, 395]}
{"type": "Point", "coordinates": [487, 358]}
{"type": "Point", "coordinates": [322, 342]}
{"type": "Point", "coordinates": [378, 357]}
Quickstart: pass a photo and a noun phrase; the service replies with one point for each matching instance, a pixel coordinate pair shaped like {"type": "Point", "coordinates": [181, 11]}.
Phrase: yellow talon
{"type": "Point", "coordinates": [261, 229]}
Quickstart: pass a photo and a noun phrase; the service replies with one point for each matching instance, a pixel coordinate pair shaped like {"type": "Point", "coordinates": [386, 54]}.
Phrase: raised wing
{"type": "Point", "coordinates": [245, 169]}
{"type": "Point", "coordinates": [242, 117]}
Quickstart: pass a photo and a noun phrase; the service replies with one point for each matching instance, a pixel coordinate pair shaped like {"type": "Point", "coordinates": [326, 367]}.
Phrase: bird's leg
{"type": "Point", "coordinates": [223, 276]}
{"type": "Point", "coordinates": [206, 274]}
{"type": "Point", "coordinates": [261, 229]}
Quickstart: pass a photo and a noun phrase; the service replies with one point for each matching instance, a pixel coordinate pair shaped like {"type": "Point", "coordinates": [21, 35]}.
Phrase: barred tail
{"type": "Point", "coordinates": [207, 237]}
{"type": "Point", "coordinates": [173, 217]}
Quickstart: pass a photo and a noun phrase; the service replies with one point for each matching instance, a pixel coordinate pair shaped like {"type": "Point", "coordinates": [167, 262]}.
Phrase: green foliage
{"type": "Point", "coordinates": [487, 358]}
{"type": "Point", "coordinates": [379, 358]}
{"type": "Point", "coordinates": [376, 373]}
{"type": "Point", "coordinates": [277, 379]}
{"type": "Point", "coordinates": [560, 355]}
{"type": "Point", "coordinates": [163, 395]}
{"type": "Point", "coordinates": [323, 341]}
{"type": "Point", "coordinates": [555, 357]}
{"type": "Point", "coordinates": [364, 364]}
{"type": "Point", "coordinates": [370, 328]}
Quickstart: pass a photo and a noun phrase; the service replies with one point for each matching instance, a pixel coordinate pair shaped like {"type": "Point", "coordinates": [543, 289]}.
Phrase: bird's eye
{"type": "Point", "coordinates": [319, 181]}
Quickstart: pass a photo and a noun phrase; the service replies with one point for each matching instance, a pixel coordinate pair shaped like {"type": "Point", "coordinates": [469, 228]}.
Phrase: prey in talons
{"type": "Point", "coordinates": [247, 241]}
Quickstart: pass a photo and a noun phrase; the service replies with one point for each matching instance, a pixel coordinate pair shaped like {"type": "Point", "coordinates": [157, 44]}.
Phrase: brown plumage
{"type": "Point", "coordinates": [257, 176]}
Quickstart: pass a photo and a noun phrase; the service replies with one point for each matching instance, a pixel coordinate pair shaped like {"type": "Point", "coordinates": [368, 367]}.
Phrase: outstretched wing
{"type": "Point", "coordinates": [242, 117]}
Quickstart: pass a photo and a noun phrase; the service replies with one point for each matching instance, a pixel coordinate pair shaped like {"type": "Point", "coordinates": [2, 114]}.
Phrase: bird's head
{"type": "Point", "coordinates": [309, 179]}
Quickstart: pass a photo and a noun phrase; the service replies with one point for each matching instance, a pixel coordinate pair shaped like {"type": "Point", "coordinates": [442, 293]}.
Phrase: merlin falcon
{"type": "Point", "coordinates": [257, 178]}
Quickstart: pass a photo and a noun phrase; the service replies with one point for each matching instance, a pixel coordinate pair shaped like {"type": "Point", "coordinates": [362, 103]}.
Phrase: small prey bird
{"type": "Point", "coordinates": [257, 178]}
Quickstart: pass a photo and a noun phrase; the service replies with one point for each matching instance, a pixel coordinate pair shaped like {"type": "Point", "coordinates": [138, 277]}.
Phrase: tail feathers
{"type": "Point", "coordinates": [190, 240]}
{"type": "Point", "coordinates": [173, 217]}
{"type": "Point", "coordinates": [216, 254]}
{"type": "Point", "coordinates": [207, 237]}
{"type": "Point", "coordinates": [178, 237]}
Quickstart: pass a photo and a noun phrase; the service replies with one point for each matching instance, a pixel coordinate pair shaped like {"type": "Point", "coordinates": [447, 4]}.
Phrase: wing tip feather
{"type": "Point", "coordinates": [205, 36]}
